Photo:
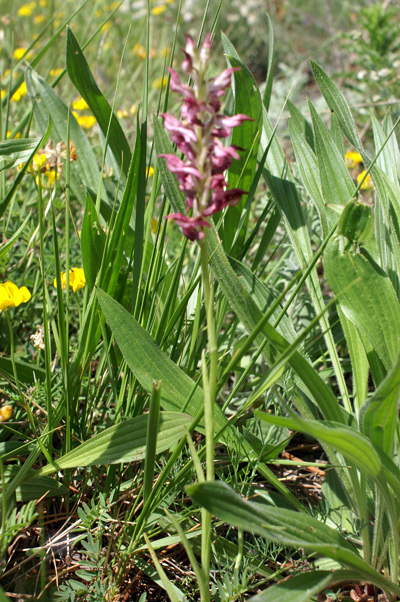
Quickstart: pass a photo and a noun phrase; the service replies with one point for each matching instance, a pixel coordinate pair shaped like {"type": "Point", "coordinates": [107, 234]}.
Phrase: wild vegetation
{"type": "Point", "coordinates": [199, 301]}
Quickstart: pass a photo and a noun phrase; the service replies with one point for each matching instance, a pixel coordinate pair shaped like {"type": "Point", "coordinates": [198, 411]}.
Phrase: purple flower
{"type": "Point", "coordinates": [192, 227]}
{"type": "Point", "coordinates": [198, 136]}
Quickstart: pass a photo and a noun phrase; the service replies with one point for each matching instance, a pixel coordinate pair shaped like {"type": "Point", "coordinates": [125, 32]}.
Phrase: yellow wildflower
{"type": "Point", "coordinates": [106, 26]}
{"type": "Point", "coordinates": [85, 121]}
{"type": "Point", "coordinates": [17, 135]}
{"type": "Point", "coordinates": [19, 53]}
{"type": "Point", "coordinates": [121, 114]}
{"type": "Point", "coordinates": [26, 10]}
{"type": "Point", "coordinates": [39, 163]}
{"type": "Point", "coordinates": [12, 296]}
{"type": "Point", "coordinates": [154, 225]}
{"type": "Point", "coordinates": [113, 5]}
{"type": "Point", "coordinates": [56, 72]}
{"type": "Point", "coordinates": [39, 19]}
{"type": "Point", "coordinates": [3, 93]}
{"type": "Point", "coordinates": [139, 51]}
{"type": "Point", "coordinates": [149, 171]}
{"type": "Point", "coordinates": [352, 159]}
{"type": "Point", "coordinates": [132, 110]}
{"type": "Point", "coordinates": [80, 104]}
{"type": "Point", "coordinates": [160, 82]}
{"type": "Point", "coordinates": [76, 279]}
{"type": "Point", "coordinates": [51, 176]}
{"type": "Point", "coordinates": [43, 3]}
{"type": "Point", "coordinates": [158, 10]}
{"type": "Point", "coordinates": [367, 184]}
{"type": "Point", "coordinates": [5, 413]}
{"type": "Point", "coordinates": [19, 93]}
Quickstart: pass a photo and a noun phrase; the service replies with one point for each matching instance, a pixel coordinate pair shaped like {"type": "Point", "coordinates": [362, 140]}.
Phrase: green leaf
{"type": "Point", "coordinates": [248, 312]}
{"type": "Point", "coordinates": [301, 124]}
{"type": "Point", "coordinates": [93, 239]}
{"type": "Point", "coordinates": [85, 171]}
{"type": "Point", "coordinates": [370, 302]}
{"type": "Point", "coordinates": [246, 136]}
{"type": "Point", "coordinates": [36, 488]}
{"type": "Point", "coordinates": [17, 151]}
{"type": "Point", "coordinates": [123, 442]}
{"type": "Point", "coordinates": [286, 527]}
{"type": "Point", "coordinates": [337, 103]}
{"type": "Point", "coordinates": [352, 444]}
{"type": "Point", "coordinates": [82, 78]}
{"type": "Point", "coordinates": [27, 373]}
{"type": "Point", "coordinates": [309, 172]}
{"type": "Point", "coordinates": [46, 127]}
{"type": "Point", "coordinates": [379, 415]}
{"type": "Point", "coordinates": [303, 587]}
{"type": "Point", "coordinates": [270, 66]}
{"type": "Point", "coordinates": [336, 183]}
{"type": "Point", "coordinates": [149, 363]}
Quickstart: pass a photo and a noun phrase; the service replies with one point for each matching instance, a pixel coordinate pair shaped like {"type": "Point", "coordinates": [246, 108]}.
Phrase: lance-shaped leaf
{"type": "Point", "coordinates": [123, 442]}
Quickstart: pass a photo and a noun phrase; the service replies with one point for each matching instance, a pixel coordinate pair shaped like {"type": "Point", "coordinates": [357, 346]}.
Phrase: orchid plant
{"type": "Point", "coordinates": [201, 178]}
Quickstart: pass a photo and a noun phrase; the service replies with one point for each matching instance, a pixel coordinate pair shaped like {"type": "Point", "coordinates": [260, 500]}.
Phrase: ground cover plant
{"type": "Point", "coordinates": [190, 292]}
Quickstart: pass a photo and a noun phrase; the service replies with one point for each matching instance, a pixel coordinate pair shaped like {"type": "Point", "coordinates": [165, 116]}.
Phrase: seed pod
{"type": "Point", "coordinates": [356, 225]}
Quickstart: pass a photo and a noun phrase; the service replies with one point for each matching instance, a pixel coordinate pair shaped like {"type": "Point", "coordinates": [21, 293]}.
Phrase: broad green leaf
{"type": "Point", "coordinates": [264, 297]}
{"type": "Point", "coordinates": [36, 488]}
{"type": "Point", "coordinates": [336, 183]}
{"type": "Point", "coordinates": [85, 171]}
{"type": "Point", "coordinates": [301, 124]}
{"type": "Point", "coordinates": [93, 239]}
{"type": "Point", "coordinates": [247, 311]}
{"type": "Point", "coordinates": [303, 587]}
{"type": "Point", "coordinates": [271, 63]}
{"type": "Point", "coordinates": [387, 158]}
{"type": "Point", "coordinates": [379, 414]}
{"type": "Point", "coordinates": [27, 373]}
{"type": "Point", "coordinates": [352, 444]}
{"type": "Point", "coordinates": [286, 527]}
{"type": "Point", "coordinates": [281, 184]}
{"type": "Point", "coordinates": [123, 442]}
{"type": "Point", "coordinates": [46, 126]}
{"type": "Point", "coordinates": [247, 137]}
{"type": "Point", "coordinates": [121, 229]}
{"type": "Point", "coordinates": [366, 297]}
{"type": "Point", "coordinates": [337, 103]}
{"type": "Point", "coordinates": [309, 172]}
{"type": "Point", "coordinates": [359, 359]}
{"type": "Point", "coordinates": [17, 151]}
{"type": "Point", "coordinates": [82, 78]}
{"type": "Point", "coordinates": [149, 363]}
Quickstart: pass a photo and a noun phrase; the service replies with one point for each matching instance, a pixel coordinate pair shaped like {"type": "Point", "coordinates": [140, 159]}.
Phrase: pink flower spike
{"type": "Point", "coordinates": [234, 120]}
{"type": "Point", "coordinates": [206, 49]}
{"type": "Point", "coordinates": [190, 45]}
{"type": "Point", "coordinates": [172, 124]}
{"type": "Point", "coordinates": [177, 166]}
{"type": "Point", "coordinates": [223, 80]}
{"type": "Point", "coordinates": [192, 227]}
{"type": "Point", "coordinates": [177, 86]}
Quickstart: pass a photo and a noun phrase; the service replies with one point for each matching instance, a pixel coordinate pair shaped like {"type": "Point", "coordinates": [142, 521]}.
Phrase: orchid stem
{"type": "Point", "coordinates": [210, 387]}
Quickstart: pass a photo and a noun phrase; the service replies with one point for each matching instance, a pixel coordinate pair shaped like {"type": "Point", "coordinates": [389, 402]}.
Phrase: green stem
{"type": "Point", "coordinates": [13, 364]}
{"type": "Point", "coordinates": [210, 388]}
{"type": "Point", "coordinates": [47, 350]}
